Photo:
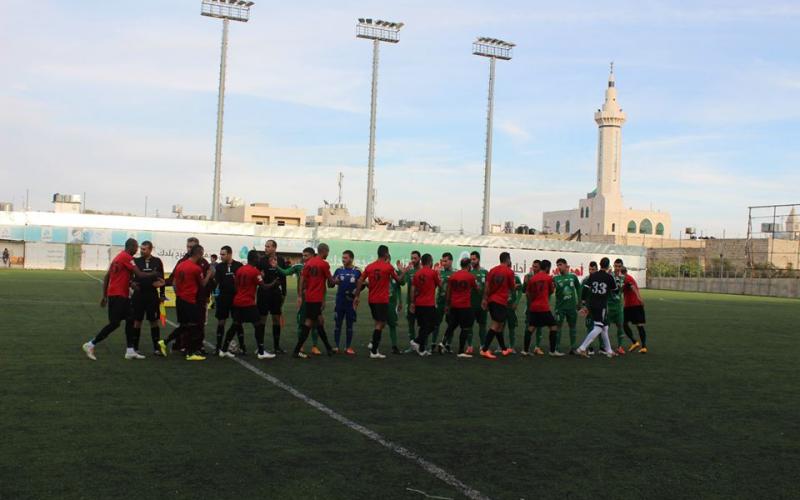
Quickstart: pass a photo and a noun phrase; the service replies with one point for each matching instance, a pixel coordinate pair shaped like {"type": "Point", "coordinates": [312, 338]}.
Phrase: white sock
{"type": "Point", "coordinates": [597, 330]}
{"type": "Point", "coordinates": [605, 339]}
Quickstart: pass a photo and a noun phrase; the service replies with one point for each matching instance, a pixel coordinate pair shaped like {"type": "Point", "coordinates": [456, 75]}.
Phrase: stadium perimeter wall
{"type": "Point", "coordinates": [767, 287]}
{"type": "Point", "coordinates": [89, 241]}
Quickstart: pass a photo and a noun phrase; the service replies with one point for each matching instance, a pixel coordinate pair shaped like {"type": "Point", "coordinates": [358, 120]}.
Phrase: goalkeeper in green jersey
{"type": "Point", "coordinates": [568, 290]}
{"type": "Point", "coordinates": [296, 270]}
{"type": "Point", "coordinates": [511, 317]}
{"type": "Point", "coordinates": [445, 271]}
{"type": "Point", "coordinates": [408, 276]}
{"type": "Point", "coordinates": [616, 309]}
{"type": "Point", "coordinates": [477, 298]}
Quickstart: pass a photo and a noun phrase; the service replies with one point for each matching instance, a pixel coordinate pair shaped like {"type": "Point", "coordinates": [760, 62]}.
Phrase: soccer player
{"type": "Point", "coordinates": [190, 282]}
{"type": "Point", "coordinates": [297, 270]}
{"type": "Point", "coordinates": [589, 322]}
{"type": "Point", "coordinates": [225, 276]}
{"type": "Point", "coordinates": [423, 291]}
{"type": "Point", "coordinates": [540, 288]}
{"type": "Point", "coordinates": [202, 297]}
{"type": "Point", "coordinates": [116, 293]}
{"type": "Point", "coordinates": [315, 277]}
{"type": "Point", "coordinates": [395, 307]}
{"type": "Point", "coordinates": [459, 307]}
{"type": "Point", "coordinates": [568, 289]}
{"type": "Point", "coordinates": [378, 276]}
{"type": "Point", "coordinates": [511, 315]}
{"type": "Point", "coordinates": [477, 297]}
{"type": "Point", "coordinates": [596, 291]}
{"type": "Point", "coordinates": [615, 307]}
{"type": "Point", "coordinates": [535, 268]}
{"type": "Point", "coordinates": [445, 271]}
{"type": "Point", "coordinates": [408, 276]}
{"type": "Point", "coordinates": [499, 284]}
{"type": "Point", "coordinates": [248, 279]}
{"type": "Point", "coordinates": [148, 294]}
{"type": "Point", "coordinates": [346, 279]}
{"type": "Point", "coordinates": [6, 258]}
{"type": "Point", "coordinates": [270, 300]}
{"type": "Point", "coordinates": [634, 312]}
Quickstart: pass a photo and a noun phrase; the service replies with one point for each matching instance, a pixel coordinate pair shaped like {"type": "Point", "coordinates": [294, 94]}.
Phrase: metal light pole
{"type": "Point", "coordinates": [493, 49]}
{"type": "Point", "coordinates": [377, 31]}
{"type": "Point", "coordinates": [227, 10]}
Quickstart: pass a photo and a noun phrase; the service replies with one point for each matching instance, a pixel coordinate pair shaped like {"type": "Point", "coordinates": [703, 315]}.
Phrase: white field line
{"type": "Point", "coordinates": [428, 466]}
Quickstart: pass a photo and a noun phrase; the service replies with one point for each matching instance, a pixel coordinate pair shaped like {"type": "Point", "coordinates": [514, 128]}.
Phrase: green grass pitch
{"type": "Point", "coordinates": [711, 411]}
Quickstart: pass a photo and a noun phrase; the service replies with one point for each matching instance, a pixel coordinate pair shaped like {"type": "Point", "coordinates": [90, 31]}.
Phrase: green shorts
{"type": "Point", "coordinates": [614, 314]}
{"type": "Point", "coordinates": [570, 315]}
{"type": "Point", "coordinates": [392, 318]}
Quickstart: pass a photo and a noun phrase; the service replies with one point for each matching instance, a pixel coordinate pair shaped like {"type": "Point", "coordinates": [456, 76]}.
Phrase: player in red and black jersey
{"type": "Point", "coordinates": [634, 312]}
{"type": "Point", "coordinates": [538, 290]}
{"type": "Point", "coordinates": [423, 293]}
{"type": "Point", "coordinates": [116, 293]}
{"type": "Point", "coordinates": [316, 276]}
{"type": "Point", "coordinates": [378, 276]}
{"type": "Point", "coordinates": [459, 306]}
{"type": "Point", "coordinates": [499, 285]}
{"type": "Point", "coordinates": [203, 293]}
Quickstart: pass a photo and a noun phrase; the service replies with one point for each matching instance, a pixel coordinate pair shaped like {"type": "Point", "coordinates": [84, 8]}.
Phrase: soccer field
{"type": "Point", "coordinates": [711, 411]}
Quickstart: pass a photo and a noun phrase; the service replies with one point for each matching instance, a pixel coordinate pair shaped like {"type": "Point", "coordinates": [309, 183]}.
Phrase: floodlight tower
{"type": "Point", "coordinates": [493, 49]}
{"type": "Point", "coordinates": [377, 31]}
{"type": "Point", "coordinates": [227, 10]}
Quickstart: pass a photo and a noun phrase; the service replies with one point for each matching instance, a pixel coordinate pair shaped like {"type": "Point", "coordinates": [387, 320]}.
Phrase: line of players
{"type": "Point", "coordinates": [134, 288]}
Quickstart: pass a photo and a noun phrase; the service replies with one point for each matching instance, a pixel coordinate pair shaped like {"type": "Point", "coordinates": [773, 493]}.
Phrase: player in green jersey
{"type": "Point", "coordinates": [408, 276]}
{"type": "Point", "coordinates": [511, 319]}
{"type": "Point", "coordinates": [568, 289]}
{"type": "Point", "coordinates": [296, 270]}
{"type": "Point", "coordinates": [445, 271]}
{"type": "Point", "coordinates": [616, 307]}
{"type": "Point", "coordinates": [477, 298]}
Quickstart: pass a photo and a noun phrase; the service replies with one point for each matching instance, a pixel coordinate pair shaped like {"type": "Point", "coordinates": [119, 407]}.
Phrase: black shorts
{"type": "Point", "coordinates": [313, 310]}
{"type": "Point", "coordinates": [270, 303]}
{"type": "Point", "coordinates": [119, 309]}
{"type": "Point", "coordinates": [187, 312]}
{"type": "Point", "coordinates": [145, 306]}
{"type": "Point", "coordinates": [461, 317]}
{"type": "Point", "coordinates": [599, 315]}
{"type": "Point", "coordinates": [537, 319]}
{"type": "Point", "coordinates": [223, 307]}
{"type": "Point", "coordinates": [426, 317]}
{"type": "Point", "coordinates": [245, 314]}
{"type": "Point", "coordinates": [635, 315]}
{"type": "Point", "coordinates": [498, 312]}
{"type": "Point", "coordinates": [380, 312]}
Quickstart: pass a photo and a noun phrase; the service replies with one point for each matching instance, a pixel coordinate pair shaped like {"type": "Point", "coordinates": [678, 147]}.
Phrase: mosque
{"type": "Point", "coordinates": [603, 212]}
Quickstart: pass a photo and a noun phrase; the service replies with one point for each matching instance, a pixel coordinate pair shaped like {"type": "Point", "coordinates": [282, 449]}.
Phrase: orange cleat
{"type": "Point", "coordinates": [508, 352]}
{"type": "Point", "coordinates": [488, 355]}
{"type": "Point", "coordinates": [538, 351]}
{"type": "Point", "coordinates": [350, 351]}
{"type": "Point", "coordinates": [470, 350]}
{"type": "Point", "coordinates": [315, 351]}
{"type": "Point", "coordinates": [620, 351]}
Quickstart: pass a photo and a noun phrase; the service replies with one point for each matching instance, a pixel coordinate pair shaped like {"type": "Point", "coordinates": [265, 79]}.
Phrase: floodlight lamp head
{"type": "Point", "coordinates": [378, 29]}
{"type": "Point", "coordinates": [232, 10]}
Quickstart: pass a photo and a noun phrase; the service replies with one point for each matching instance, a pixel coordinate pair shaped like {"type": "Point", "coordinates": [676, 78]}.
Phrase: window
{"type": "Point", "coordinates": [566, 227]}
{"type": "Point", "coordinates": [660, 229]}
{"type": "Point", "coordinates": [587, 212]}
{"type": "Point", "coordinates": [646, 227]}
{"type": "Point", "coordinates": [558, 226]}
{"type": "Point", "coordinates": [281, 222]}
{"type": "Point", "coordinates": [613, 228]}
{"type": "Point", "coordinates": [632, 227]}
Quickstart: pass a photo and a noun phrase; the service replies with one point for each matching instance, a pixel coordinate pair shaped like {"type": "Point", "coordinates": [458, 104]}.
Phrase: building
{"type": "Point", "coordinates": [262, 214]}
{"type": "Point", "coordinates": [336, 215]}
{"type": "Point", "coordinates": [67, 203]}
{"type": "Point", "coordinates": [603, 212]}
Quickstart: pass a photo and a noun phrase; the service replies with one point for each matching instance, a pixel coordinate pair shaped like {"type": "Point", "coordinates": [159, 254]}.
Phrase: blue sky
{"type": "Point", "coordinates": [118, 100]}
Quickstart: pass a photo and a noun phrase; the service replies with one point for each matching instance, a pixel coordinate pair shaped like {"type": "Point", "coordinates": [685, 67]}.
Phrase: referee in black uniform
{"type": "Point", "coordinates": [270, 300]}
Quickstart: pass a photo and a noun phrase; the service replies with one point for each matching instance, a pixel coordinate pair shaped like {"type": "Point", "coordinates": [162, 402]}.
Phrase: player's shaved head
{"type": "Point", "coordinates": [505, 258]}
{"type": "Point", "coordinates": [197, 250]}
{"type": "Point", "coordinates": [192, 241]}
{"type": "Point", "coordinates": [131, 245]}
{"type": "Point", "coordinates": [465, 262]}
{"type": "Point", "coordinates": [252, 257]}
{"type": "Point", "coordinates": [545, 265]}
{"type": "Point", "coordinates": [427, 260]}
{"type": "Point", "coordinates": [383, 251]}
{"type": "Point", "coordinates": [323, 249]}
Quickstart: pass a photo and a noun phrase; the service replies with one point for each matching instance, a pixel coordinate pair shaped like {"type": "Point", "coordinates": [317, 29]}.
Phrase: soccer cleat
{"type": "Point", "coordinates": [163, 347]}
{"type": "Point", "coordinates": [487, 354]}
{"type": "Point", "coordinates": [278, 350]}
{"type": "Point", "coordinates": [643, 350]}
{"type": "Point", "coordinates": [133, 355]}
{"type": "Point", "coordinates": [336, 350]}
{"type": "Point", "coordinates": [195, 357]}
{"type": "Point", "coordinates": [608, 354]}
{"type": "Point", "coordinates": [580, 352]}
{"type": "Point", "coordinates": [448, 349]}
{"type": "Point", "coordinates": [266, 355]}
{"type": "Point", "coordinates": [376, 355]}
{"type": "Point", "coordinates": [414, 346]}
{"type": "Point", "coordinates": [441, 348]}
{"type": "Point", "coordinates": [88, 348]}
{"type": "Point", "coordinates": [620, 351]}
{"type": "Point", "coordinates": [158, 354]}
{"type": "Point", "coordinates": [470, 350]}
{"type": "Point", "coordinates": [525, 353]}
{"type": "Point", "coordinates": [556, 354]}
{"type": "Point", "coordinates": [396, 350]}
{"type": "Point", "coordinates": [464, 355]}
{"type": "Point", "coordinates": [425, 353]}
{"type": "Point", "coordinates": [508, 352]}
{"type": "Point", "coordinates": [538, 351]}
{"type": "Point", "coordinates": [300, 355]}
{"type": "Point", "coordinates": [350, 352]}
{"type": "Point", "coordinates": [572, 352]}
{"type": "Point", "coordinates": [634, 346]}
{"type": "Point", "coordinates": [226, 354]}
{"type": "Point", "coordinates": [315, 351]}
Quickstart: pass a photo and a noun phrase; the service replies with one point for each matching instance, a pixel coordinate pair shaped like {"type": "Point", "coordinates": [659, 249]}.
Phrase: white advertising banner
{"type": "Point", "coordinates": [95, 257]}
{"type": "Point", "coordinates": [45, 256]}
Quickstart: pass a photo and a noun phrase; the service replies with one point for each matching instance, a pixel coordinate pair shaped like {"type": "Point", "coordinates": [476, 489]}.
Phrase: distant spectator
{"type": "Point", "coordinates": [6, 258]}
